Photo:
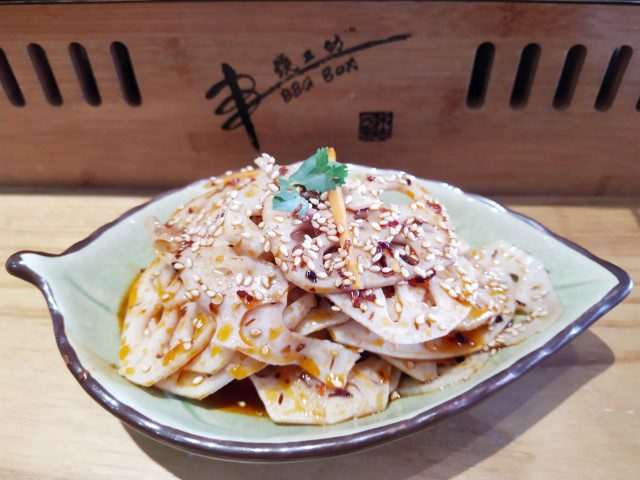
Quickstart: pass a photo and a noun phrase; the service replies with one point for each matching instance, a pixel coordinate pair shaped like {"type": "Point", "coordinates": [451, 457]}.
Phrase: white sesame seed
{"type": "Point", "coordinates": [239, 278]}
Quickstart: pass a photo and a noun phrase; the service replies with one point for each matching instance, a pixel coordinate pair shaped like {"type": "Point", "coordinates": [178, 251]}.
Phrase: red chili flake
{"type": "Point", "coordinates": [370, 178]}
{"type": "Point", "coordinates": [461, 339]}
{"type": "Point", "coordinates": [183, 311]}
{"type": "Point", "coordinates": [300, 347]}
{"type": "Point", "coordinates": [244, 296]}
{"type": "Point", "coordinates": [333, 360]}
{"type": "Point", "coordinates": [389, 291]}
{"type": "Point", "coordinates": [190, 210]}
{"type": "Point", "coordinates": [311, 275]}
{"type": "Point", "coordinates": [286, 349]}
{"type": "Point", "coordinates": [385, 246]}
{"type": "Point", "coordinates": [356, 301]}
{"type": "Point", "coordinates": [436, 208]}
{"type": "Point", "coordinates": [339, 392]}
{"type": "Point", "coordinates": [213, 308]}
{"type": "Point", "coordinates": [361, 214]}
{"type": "Point", "coordinates": [498, 319]}
{"type": "Point", "coordinates": [280, 398]}
{"type": "Point", "coordinates": [278, 375]}
{"type": "Point", "coordinates": [409, 181]}
{"type": "Point", "coordinates": [283, 170]}
{"type": "Point", "coordinates": [410, 260]}
{"type": "Point", "coordinates": [393, 223]}
{"type": "Point", "coordinates": [347, 244]}
{"type": "Point", "coordinates": [369, 297]}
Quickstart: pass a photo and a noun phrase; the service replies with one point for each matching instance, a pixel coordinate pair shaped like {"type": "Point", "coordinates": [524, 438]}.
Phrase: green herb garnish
{"type": "Point", "coordinates": [288, 199]}
{"type": "Point", "coordinates": [316, 173]}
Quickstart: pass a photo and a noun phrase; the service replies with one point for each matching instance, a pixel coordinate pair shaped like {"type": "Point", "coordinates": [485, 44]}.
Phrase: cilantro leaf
{"type": "Point", "coordinates": [288, 199]}
{"type": "Point", "coordinates": [317, 173]}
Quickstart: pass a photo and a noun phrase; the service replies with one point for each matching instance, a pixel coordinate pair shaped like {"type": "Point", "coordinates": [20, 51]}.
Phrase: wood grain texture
{"type": "Point", "coordinates": [577, 415]}
{"type": "Point", "coordinates": [178, 49]}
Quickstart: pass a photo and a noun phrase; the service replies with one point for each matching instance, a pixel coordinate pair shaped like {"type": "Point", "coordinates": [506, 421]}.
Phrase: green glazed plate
{"type": "Point", "coordinates": [84, 286]}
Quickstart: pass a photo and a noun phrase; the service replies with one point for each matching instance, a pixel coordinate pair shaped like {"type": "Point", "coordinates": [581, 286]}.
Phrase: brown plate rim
{"type": "Point", "coordinates": [325, 447]}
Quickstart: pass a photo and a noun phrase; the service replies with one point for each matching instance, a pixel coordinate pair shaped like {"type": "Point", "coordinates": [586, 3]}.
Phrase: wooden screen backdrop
{"type": "Point", "coordinates": [499, 98]}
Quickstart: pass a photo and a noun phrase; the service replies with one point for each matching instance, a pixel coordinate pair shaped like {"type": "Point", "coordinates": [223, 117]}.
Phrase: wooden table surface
{"type": "Point", "coordinates": [575, 416]}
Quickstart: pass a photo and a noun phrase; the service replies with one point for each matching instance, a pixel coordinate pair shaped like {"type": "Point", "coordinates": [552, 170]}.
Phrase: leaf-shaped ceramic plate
{"type": "Point", "coordinates": [84, 286]}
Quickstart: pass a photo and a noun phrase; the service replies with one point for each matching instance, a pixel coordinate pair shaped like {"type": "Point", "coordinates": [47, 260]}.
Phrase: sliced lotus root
{"type": "Point", "coordinates": [201, 221]}
{"type": "Point", "coordinates": [211, 278]}
{"type": "Point", "coordinates": [370, 380]}
{"type": "Point", "coordinates": [452, 345]}
{"type": "Point", "coordinates": [218, 365]}
{"type": "Point", "coordinates": [390, 242]}
{"type": "Point", "coordinates": [196, 385]}
{"type": "Point", "coordinates": [214, 357]}
{"type": "Point", "coordinates": [298, 309]}
{"type": "Point", "coordinates": [158, 340]}
{"type": "Point", "coordinates": [249, 313]}
{"type": "Point", "coordinates": [534, 293]}
{"type": "Point", "coordinates": [292, 396]}
{"type": "Point", "coordinates": [321, 317]}
{"type": "Point", "coordinates": [488, 290]}
{"type": "Point", "coordinates": [422, 370]}
{"type": "Point", "coordinates": [243, 214]}
{"type": "Point", "coordinates": [405, 314]}
{"type": "Point", "coordinates": [266, 338]}
{"type": "Point", "coordinates": [394, 381]}
{"type": "Point", "coordinates": [447, 375]}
